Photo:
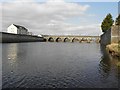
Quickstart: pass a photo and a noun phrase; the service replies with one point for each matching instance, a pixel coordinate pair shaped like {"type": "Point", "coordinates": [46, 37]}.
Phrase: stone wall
{"type": "Point", "coordinates": [9, 38]}
{"type": "Point", "coordinates": [111, 36]}
{"type": "Point", "coordinates": [115, 34]}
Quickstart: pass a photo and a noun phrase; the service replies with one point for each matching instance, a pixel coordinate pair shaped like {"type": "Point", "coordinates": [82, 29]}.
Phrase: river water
{"type": "Point", "coordinates": [56, 65]}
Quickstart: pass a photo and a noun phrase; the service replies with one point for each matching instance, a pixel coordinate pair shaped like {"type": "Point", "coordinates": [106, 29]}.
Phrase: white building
{"type": "Point", "coordinates": [40, 35]}
{"type": "Point", "coordinates": [17, 29]}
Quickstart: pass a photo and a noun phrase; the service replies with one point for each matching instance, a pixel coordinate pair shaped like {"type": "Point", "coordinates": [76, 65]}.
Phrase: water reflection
{"type": "Point", "coordinates": [105, 64]}
{"type": "Point", "coordinates": [15, 53]}
{"type": "Point", "coordinates": [108, 64]}
{"type": "Point", "coordinates": [12, 53]}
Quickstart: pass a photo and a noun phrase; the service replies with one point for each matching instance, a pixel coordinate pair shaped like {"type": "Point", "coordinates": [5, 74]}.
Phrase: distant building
{"type": "Point", "coordinates": [17, 29]}
{"type": "Point", "coordinates": [40, 35]}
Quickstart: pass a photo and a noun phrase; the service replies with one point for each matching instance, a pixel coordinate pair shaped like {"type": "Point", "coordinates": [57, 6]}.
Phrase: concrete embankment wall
{"type": "Point", "coordinates": [13, 38]}
{"type": "Point", "coordinates": [111, 36]}
{"type": "Point", "coordinates": [106, 38]}
{"type": "Point", "coordinates": [115, 34]}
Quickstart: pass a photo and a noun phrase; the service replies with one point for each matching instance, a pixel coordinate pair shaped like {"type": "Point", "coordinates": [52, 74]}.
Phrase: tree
{"type": "Point", "coordinates": [107, 23]}
{"type": "Point", "coordinates": [117, 22]}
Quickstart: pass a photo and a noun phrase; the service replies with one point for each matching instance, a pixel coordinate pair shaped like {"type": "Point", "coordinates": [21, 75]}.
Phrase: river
{"type": "Point", "coordinates": [56, 65]}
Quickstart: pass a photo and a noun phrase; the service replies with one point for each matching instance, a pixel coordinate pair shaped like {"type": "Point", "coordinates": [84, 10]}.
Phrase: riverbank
{"type": "Point", "coordinates": [17, 38]}
{"type": "Point", "coordinates": [114, 49]}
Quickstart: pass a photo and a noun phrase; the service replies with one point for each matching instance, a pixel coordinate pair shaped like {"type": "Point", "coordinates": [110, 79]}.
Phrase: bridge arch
{"type": "Point", "coordinates": [80, 40]}
{"type": "Point", "coordinates": [97, 40]}
{"type": "Point", "coordinates": [58, 39]}
{"type": "Point", "coordinates": [75, 40]}
{"type": "Point", "coordinates": [84, 39]}
{"type": "Point", "coordinates": [66, 40]}
{"type": "Point", "coordinates": [51, 39]}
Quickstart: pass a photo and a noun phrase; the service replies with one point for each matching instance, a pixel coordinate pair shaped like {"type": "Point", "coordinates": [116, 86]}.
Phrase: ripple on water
{"type": "Point", "coordinates": [61, 65]}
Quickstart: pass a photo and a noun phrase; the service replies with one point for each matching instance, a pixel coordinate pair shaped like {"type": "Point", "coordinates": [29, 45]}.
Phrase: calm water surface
{"type": "Point", "coordinates": [61, 65]}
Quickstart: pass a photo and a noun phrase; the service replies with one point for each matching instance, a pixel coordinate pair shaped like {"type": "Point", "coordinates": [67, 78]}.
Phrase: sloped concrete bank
{"type": "Point", "coordinates": [17, 38]}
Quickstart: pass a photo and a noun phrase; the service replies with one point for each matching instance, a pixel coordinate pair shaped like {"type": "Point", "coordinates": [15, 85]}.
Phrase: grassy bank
{"type": "Point", "coordinates": [114, 49]}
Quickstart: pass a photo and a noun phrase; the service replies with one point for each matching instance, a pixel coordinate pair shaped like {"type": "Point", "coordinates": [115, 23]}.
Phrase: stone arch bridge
{"type": "Point", "coordinates": [70, 38]}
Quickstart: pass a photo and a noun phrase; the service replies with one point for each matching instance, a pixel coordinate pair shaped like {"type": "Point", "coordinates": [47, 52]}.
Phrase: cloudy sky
{"type": "Point", "coordinates": [68, 17]}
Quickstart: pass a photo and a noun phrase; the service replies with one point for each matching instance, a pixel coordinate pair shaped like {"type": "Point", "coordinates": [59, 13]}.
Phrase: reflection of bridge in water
{"type": "Point", "coordinates": [70, 38]}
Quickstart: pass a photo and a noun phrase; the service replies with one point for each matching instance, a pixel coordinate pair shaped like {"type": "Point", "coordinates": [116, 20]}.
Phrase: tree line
{"type": "Point", "coordinates": [108, 22]}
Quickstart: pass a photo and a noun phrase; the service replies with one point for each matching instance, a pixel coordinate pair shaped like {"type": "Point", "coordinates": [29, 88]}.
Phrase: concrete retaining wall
{"type": "Point", "coordinates": [115, 34]}
{"type": "Point", "coordinates": [106, 38]}
{"type": "Point", "coordinates": [111, 36]}
{"type": "Point", "coordinates": [13, 38]}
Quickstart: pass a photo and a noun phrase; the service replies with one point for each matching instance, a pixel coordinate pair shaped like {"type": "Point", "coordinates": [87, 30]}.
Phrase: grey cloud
{"type": "Point", "coordinates": [45, 18]}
